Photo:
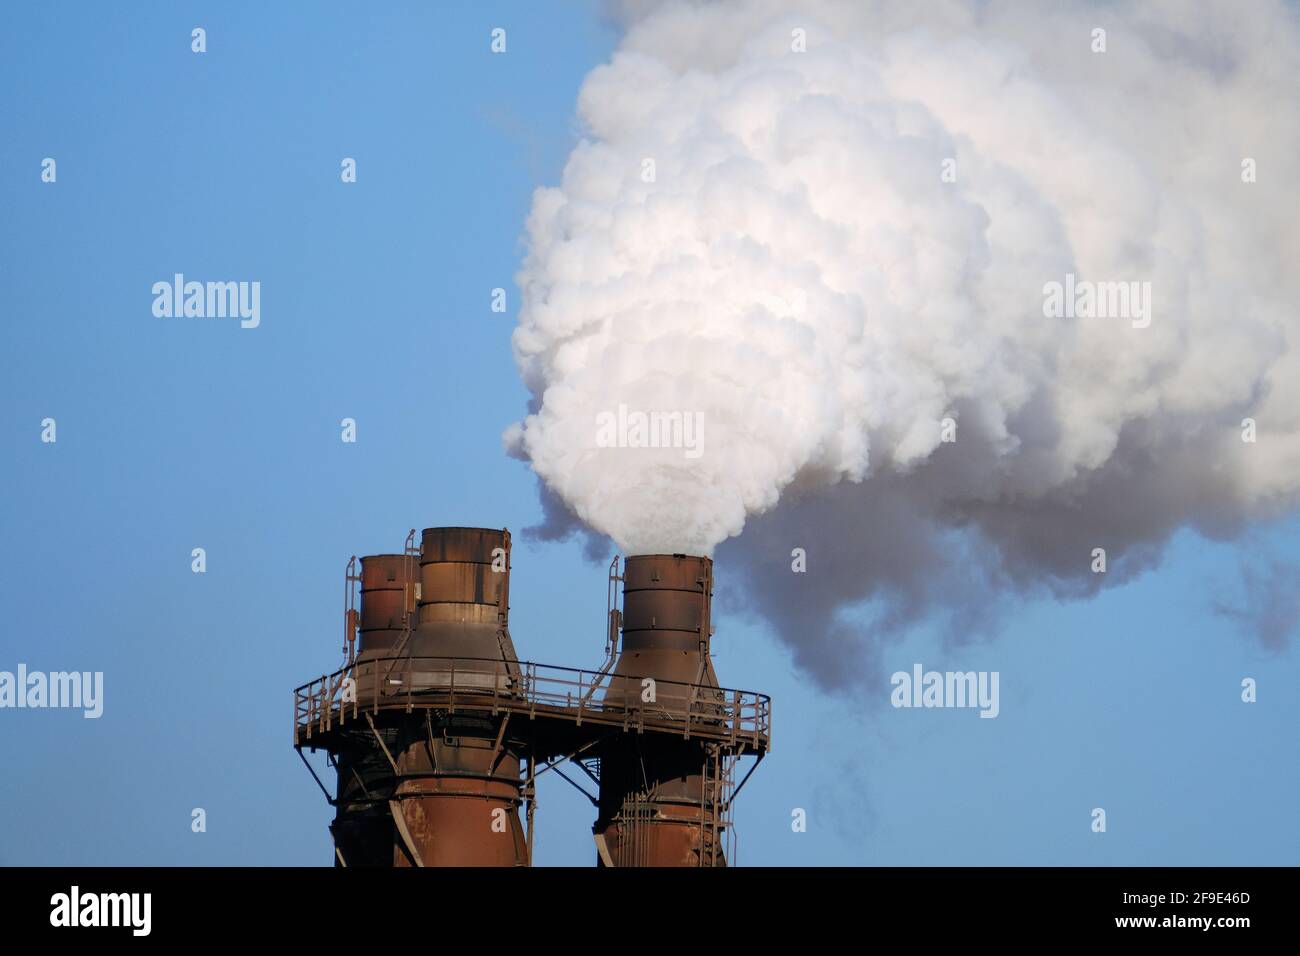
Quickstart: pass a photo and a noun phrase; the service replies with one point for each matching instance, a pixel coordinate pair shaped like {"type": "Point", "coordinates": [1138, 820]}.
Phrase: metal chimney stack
{"type": "Point", "coordinates": [667, 625]}
{"type": "Point", "coordinates": [387, 603]}
{"type": "Point", "coordinates": [362, 827]}
{"type": "Point", "coordinates": [662, 797]}
{"type": "Point", "coordinates": [458, 797]}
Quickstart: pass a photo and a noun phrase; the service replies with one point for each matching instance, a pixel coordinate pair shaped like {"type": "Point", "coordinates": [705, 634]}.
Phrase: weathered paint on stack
{"type": "Point", "coordinates": [658, 805]}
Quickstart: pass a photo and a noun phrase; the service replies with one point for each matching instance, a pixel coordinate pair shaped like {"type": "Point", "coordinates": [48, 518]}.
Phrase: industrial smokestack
{"type": "Point", "coordinates": [386, 614]}
{"type": "Point", "coordinates": [459, 791]}
{"type": "Point", "coordinates": [387, 600]}
{"type": "Point", "coordinates": [667, 602]}
{"type": "Point", "coordinates": [662, 797]}
{"type": "Point", "coordinates": [464, 608]}
{"type": "Point", "coordinates": [363, 827]}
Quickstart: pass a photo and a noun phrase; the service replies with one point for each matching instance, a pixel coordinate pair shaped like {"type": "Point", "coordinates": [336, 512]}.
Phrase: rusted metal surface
{"type": "Point", "coordinates": [386, 612]}
{"type": "Point", "coordinates": [458, 784]}
{"type": "Point", "coordinates": [431, 724]}
{"type": "Point", "coordinates": [663, 803]}
{"type": "Point", "coordinates": [385, 603]}
{"type": "Point", "coordinates": [666, 629]}
{"type": "Point", "coordinates": [460, 804]}
{"type": "Point", "coordinates": [660, 804]}
{"type": "Point", "coordinates": [464, 606]}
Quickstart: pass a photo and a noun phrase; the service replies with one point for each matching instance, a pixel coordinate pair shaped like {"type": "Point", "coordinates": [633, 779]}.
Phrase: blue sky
{"type": "Point", "coordinates": [177, 434]}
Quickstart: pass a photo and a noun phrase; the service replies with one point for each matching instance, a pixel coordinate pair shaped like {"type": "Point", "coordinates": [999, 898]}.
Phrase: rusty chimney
{"type": "Point", "coordinates": [662, 796]}
{"type": "Point", "coordinates": [387, 601]}
{"type": "Point", "coordinates": [464, 605]}
{"type": "Point", "coordinates": [362, 827]}
{"type": "Point", "coordinates": [459, 790]}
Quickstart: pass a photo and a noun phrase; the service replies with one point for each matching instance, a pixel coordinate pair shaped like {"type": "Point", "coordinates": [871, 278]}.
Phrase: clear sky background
{"type": "Point", "coordinates": [182, 433]}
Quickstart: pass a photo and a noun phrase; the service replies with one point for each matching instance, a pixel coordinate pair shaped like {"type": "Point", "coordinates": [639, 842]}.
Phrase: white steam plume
{"type": "Point", "coordinates": [800, 275]}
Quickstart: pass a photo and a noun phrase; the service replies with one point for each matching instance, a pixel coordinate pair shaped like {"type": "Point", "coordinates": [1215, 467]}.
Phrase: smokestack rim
{"type": "Point", "coordinates": [457, 527]}
{"type": "Point", "coordinates": [677, 554]}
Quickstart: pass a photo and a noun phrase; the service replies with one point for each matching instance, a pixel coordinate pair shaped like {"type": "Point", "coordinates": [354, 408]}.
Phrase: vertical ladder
{"type": "Point", "coordinates": [410, 597]}
{"type": "Point", "coordinates": [717, 835]}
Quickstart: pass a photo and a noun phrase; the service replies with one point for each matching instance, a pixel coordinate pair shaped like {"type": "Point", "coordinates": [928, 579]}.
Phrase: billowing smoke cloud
{"type": "Point", "coordinates": [827, 239]}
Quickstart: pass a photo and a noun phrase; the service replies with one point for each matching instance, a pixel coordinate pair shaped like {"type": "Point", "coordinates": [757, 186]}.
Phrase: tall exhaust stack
{"type": "Point", "coordinates": [459, 790]}
{"type": "Point", "coordinates": [664, 797]}
{"type": "Point", "coordinates": [362, 827]}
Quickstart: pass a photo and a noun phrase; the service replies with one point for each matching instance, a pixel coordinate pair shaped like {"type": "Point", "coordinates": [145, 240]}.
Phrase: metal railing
{"type": "Point", "coordinates": [369, 685]}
